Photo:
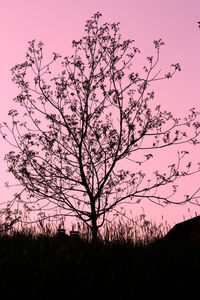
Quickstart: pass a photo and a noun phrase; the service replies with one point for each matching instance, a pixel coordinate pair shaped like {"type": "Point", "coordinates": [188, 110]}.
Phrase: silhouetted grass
{"type": "Point", "coordinates": [128, 263]}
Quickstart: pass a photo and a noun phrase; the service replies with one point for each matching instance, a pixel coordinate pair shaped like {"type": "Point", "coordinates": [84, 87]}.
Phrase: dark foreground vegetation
{"type": "Point", "coordinates": [40, 266]}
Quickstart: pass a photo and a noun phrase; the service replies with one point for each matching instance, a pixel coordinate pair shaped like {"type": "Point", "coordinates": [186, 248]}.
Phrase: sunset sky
{"type": "Point", "coordinates": [57, 22]}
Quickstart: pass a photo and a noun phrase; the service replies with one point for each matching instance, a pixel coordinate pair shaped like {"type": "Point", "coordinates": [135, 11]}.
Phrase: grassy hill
{"type": "Point", "coordinates": [40, 266]}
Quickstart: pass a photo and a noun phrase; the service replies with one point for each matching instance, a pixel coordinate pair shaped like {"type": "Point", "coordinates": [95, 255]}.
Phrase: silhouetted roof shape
{"type": "Point", "coordinates": [188, 230]}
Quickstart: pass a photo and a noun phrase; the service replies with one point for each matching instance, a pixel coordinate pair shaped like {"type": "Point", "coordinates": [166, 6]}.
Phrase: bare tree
{"type": "Point", "coordinates": [80, 126]}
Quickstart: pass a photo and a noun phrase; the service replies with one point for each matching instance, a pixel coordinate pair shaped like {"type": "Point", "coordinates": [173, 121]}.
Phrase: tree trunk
{"type": "Point", "coordinates": [94, 229]}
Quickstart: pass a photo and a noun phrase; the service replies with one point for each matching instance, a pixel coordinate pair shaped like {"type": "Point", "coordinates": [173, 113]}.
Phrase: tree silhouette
{"type": "Point", "coordinates": [80, 127]}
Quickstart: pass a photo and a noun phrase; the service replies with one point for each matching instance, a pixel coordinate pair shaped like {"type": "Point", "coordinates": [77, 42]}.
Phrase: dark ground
{"type": "Point", "coordinates": [58, 267]}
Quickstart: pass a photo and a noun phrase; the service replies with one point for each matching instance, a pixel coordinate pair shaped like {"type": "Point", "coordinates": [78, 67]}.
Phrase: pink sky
{"type": "Point", "coordinates": [58, 22]}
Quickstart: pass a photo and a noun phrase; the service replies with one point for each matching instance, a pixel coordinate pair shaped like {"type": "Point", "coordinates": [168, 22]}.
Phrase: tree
{"type": "Point", "coordinates": [78, 127]}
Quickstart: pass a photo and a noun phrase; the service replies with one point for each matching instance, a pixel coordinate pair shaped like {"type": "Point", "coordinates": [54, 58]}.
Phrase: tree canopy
{"type": "Point", "coordinates": [75, 132]}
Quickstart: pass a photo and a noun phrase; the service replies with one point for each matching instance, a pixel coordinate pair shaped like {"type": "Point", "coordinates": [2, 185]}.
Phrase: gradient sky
{"type": "Point", "coordinates": [58, 22]}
